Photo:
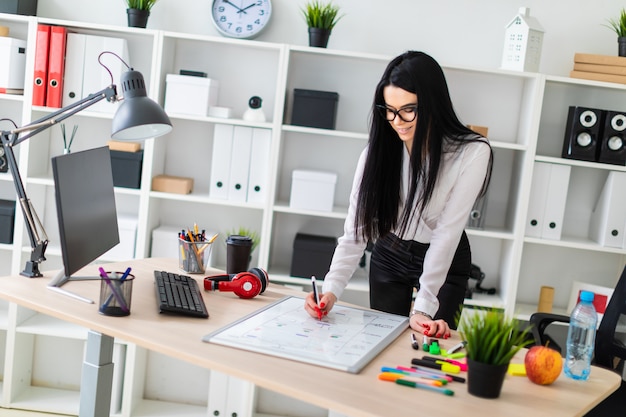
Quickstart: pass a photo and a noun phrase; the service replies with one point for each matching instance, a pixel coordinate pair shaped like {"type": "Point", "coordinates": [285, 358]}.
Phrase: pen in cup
{"type": "Point", "coordinates": [118, 285]}
{"type": "Point", "coordinates": [316, 296]}
{"type": "Point", "coordinates": [116, 294]}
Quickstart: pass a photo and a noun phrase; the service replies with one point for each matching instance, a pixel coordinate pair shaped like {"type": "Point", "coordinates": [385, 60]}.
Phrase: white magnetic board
{"type": "Point", "coordinates": [347, 339]}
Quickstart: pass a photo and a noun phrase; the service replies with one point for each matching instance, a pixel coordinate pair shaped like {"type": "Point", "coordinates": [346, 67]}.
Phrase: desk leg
{"type": "Point", "coordinates": [97, 376]}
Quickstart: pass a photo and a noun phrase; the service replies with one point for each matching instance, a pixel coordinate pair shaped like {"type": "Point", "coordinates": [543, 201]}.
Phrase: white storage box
{"type": "Point", "coordinates": [125, 250]}
{"type": "Point", "coordinates": [186, 94]}
{"type": "Point", "coordinates": [312, 190]}
{"type": "Point", "coordinates": [165, 242]}
{"type": "Point", "coordinates": [12, 63]}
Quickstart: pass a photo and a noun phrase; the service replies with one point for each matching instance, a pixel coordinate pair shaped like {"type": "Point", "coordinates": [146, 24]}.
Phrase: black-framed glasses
{"type": "Point", "coordinates": [406, 113]}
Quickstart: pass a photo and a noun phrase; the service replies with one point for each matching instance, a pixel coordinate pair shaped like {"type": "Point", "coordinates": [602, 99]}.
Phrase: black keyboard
{"type": "Point", "coordinates": [179, 294]}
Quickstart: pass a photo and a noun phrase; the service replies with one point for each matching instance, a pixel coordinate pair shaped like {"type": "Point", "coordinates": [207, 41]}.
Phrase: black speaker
{"type": "Point", "coordinates": [613, 142]}
{"type": "Point", "coordinates": [582, 133]}
{"type": "Point", "coordinates": [4, 165]}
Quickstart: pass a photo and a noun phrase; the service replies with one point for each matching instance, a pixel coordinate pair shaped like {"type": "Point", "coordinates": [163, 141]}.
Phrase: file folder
{"type": "Point", "coordinates": [555, 202]}
{"type": "Point", "coordinates": [40, 76]}
{"type": "Point", "coordinates": [548, 196]}
{"type": "Point", "coordinates": [95, 76]}
{"type": "Point", "coordinates": [220, 161]}
{"type": "Point", "coordinates": [56, 66]}
{"type": "Point", "coordinates": [608, 219]}
{"type": "Point", "coordinates": [240, 164]}
{"type": "Point", "coordinates": [537, 199]}
{"type": "Point", "coordinates": [259, 165]}
{"type": "Point", "coordinates": [74, 68]}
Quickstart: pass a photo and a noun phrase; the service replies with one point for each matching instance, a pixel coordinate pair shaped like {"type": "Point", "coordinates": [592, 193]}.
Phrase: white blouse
{"type": "Point", "coordinates": [462, 174]}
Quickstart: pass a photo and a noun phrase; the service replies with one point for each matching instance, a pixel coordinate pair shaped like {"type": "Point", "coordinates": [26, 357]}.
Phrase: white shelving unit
{"type": "Point", "coordinates": [525, 114]}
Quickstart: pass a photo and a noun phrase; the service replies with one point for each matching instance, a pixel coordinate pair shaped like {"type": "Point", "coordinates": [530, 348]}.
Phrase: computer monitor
{"type": "Point", "coordinates": [87, 216]}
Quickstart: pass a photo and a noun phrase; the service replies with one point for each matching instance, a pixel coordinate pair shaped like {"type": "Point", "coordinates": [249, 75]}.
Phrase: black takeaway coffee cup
{"type": "Point", "coordinates": [238, 250]}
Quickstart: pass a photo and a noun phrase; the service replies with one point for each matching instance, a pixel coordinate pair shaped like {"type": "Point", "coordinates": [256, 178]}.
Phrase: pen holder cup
{"type": "Point", "coordinates": [193, 257]}
{"type": "Point", "coordinates": [116, 294]}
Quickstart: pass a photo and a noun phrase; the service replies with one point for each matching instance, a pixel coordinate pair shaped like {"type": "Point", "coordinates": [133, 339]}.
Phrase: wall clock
{"type": "Point", "coordinates": [241, 18]}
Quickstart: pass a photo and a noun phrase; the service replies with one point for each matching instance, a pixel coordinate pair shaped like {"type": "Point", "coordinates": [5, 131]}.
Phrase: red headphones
{"type": "Point", "coordinates": [244, 284]}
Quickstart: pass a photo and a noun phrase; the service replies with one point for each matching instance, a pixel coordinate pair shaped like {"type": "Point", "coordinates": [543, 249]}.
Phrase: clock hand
{"type": "Point", "coordinates": [246, 8]}
{"type": "Point", "coordinates": [239, 10]}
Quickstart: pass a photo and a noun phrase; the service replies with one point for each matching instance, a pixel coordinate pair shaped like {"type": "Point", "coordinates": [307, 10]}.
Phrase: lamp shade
{"type": "Point", "coordinates": [138, 117]}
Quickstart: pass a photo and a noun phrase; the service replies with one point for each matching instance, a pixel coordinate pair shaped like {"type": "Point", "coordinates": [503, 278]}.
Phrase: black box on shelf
{"type": "Point", "coordinates": [126, 168]}
{"type": "Point", "coordinates": [23, 7]}
{"type": "Point", "coordinates": [7, 220]}
{"type": "Point", "coordinates": [314, 108]}
{"type": "Point", "coordinates": [312, 255]}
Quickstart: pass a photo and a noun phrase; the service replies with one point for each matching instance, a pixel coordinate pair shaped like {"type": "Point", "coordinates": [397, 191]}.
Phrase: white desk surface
{"type": "Point", "coordinates": [356, 395]}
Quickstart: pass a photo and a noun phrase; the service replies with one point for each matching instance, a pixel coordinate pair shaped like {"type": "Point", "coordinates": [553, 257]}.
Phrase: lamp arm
{"type": "Point", "coordinates": [109, 93]}
{"type": "Point", "coordinates": [36, 233]}
{"type": "Point", "coordinates": [38, 241]}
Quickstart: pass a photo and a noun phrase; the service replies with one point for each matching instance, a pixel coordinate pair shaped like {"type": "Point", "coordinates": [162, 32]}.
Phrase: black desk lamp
{"type": "Point", "coordinates": [137, 118]}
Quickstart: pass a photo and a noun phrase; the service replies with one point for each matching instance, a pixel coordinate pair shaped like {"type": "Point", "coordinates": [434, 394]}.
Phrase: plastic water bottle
{"type": "Point", "coordinates": [581, 337]}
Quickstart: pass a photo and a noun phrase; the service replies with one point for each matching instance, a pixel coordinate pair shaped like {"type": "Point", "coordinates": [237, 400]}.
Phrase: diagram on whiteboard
{"type": "Point", "coordinates": [347, 339]}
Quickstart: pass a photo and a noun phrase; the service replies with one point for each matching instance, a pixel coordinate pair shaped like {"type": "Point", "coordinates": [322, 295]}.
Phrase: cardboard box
{"type": "Point", "coordinates": [312, 190]}
{"type": "Point", "coordinates": [7, 220]}
{"type": "Point", "coordinates": [12, 63]}
{"type": "Point", "coordinates": [115, 145]}
{"type": "Point", "coordinates": [185, 94]}
{"type": "Point", "coordinates": [126, 168]}
{"type": "Point", "coordinates": [172, 184]}
{"type": "Point", "coordinates": [314, 108]}
{"type": "Point", "coordinates": [312, 255]}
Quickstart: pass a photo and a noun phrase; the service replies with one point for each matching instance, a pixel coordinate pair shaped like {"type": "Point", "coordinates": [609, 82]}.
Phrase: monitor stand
{"type": "Point", "coordinates": [60, 279]}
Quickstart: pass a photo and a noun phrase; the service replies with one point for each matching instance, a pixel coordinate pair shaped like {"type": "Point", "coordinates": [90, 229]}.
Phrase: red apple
{"type": "Point", "coordinates": [543, 365]}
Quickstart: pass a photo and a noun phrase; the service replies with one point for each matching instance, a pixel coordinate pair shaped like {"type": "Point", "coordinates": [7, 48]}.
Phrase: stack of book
{"type": "Point", "coordinates": [599, 68]}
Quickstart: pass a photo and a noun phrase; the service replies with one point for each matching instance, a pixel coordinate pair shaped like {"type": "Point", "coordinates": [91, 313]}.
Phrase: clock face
{"type": "Point", "coordinates": [241, 18]}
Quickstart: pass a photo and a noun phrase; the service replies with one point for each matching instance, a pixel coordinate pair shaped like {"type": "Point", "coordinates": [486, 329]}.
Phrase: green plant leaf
{"type": "Point", "coordinates": [492, 337]}
{"type": "Point", "coordinates": [319, 15]}
{"type": "Point", "coordinates": [140, 4]}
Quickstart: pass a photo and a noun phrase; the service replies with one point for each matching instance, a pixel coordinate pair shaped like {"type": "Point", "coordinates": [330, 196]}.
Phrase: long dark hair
{"type": "Point", "coordinates": [438, 130]}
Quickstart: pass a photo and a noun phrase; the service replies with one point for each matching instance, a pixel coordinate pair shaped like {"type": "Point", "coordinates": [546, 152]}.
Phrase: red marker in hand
{"type": "Point", "coordinates": [317, 297]}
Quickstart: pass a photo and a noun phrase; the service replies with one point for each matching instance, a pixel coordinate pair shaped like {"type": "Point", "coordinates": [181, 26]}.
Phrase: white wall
{"type": "Point", "coordinates": [456, 32]}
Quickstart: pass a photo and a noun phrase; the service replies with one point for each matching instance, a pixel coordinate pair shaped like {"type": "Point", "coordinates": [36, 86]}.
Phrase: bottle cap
{"type": "Point", "coordinates": [586, 296]}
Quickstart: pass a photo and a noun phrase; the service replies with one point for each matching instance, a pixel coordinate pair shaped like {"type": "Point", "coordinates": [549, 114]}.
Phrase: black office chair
{"type": "Point", "coordinates": [609, 352]}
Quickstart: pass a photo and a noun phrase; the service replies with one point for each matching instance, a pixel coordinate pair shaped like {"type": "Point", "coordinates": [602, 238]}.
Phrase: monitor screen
{"type": "Point", "coordinates": [85, 202]}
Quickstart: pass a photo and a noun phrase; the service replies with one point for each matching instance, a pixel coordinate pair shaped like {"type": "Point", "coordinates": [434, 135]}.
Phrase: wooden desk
{"type": "Point", "coordinates": [361, 395]}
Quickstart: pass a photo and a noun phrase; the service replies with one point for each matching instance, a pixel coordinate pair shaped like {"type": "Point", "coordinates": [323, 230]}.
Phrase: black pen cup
{"type": "Point", "coordinates": [116, 294]}
{"type": "Point", "coordinates": [193, 257]}
{"type": "Point", "coordinates": [238, 250]}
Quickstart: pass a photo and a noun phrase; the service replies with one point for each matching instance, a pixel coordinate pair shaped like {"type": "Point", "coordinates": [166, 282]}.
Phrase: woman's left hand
{"type": "Point", "coordinates": [428, 327]}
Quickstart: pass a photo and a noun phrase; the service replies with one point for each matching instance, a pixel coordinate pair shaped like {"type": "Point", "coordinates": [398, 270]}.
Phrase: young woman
{"type": "Point", "coordinates": [414, 187]}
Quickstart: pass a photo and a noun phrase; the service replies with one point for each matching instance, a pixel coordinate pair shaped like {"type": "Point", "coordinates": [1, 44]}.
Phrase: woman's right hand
{"type": "Point", "coordinates": [327, 301]}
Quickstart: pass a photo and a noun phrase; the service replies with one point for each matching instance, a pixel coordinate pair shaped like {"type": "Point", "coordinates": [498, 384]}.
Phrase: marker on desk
{"type": "Point", "coordinates": [414, 343]}
{"type": "Point", "coordinates": [316, 296]}
{"type": "Point", "coordinates": [445, 367]}
{"type": "Point", "coordinates": [456, 348]}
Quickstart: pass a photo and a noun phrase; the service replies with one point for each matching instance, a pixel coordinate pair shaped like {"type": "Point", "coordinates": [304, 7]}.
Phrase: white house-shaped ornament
{"type": "Point", "coordinates": [522, 43]}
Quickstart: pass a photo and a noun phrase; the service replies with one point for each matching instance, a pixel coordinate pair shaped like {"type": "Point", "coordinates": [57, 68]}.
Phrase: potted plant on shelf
{"type": "Point", "coordinates": [492, 340]}
{"type": "Point", "coordinates": [321, 19]}
{"type": "Point", "coordinates": [138, 12]}
{"type": "Point", "coordinates": [619, 27]}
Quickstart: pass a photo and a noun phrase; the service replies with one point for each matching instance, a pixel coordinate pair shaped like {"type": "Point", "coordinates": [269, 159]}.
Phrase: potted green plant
{"type": "Point", "coordinates": [321, 18]}
{"type": "Point", "coordinates": [492, 340]}
{"type": "Point", "coordinates": [619, 27]}
{"type": "Point", "coordinates": [138, 12]}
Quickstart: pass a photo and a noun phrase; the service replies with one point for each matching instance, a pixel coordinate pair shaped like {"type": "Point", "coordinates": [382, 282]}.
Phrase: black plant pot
{"type": "Point", "coordinates": [319, 37]}
{"type": "Point", "coordinates": [621, 45]}
{"type": "Point", "coordinates": [137, 18]}
{"type": "Point", "coordinates": [485, 380]}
